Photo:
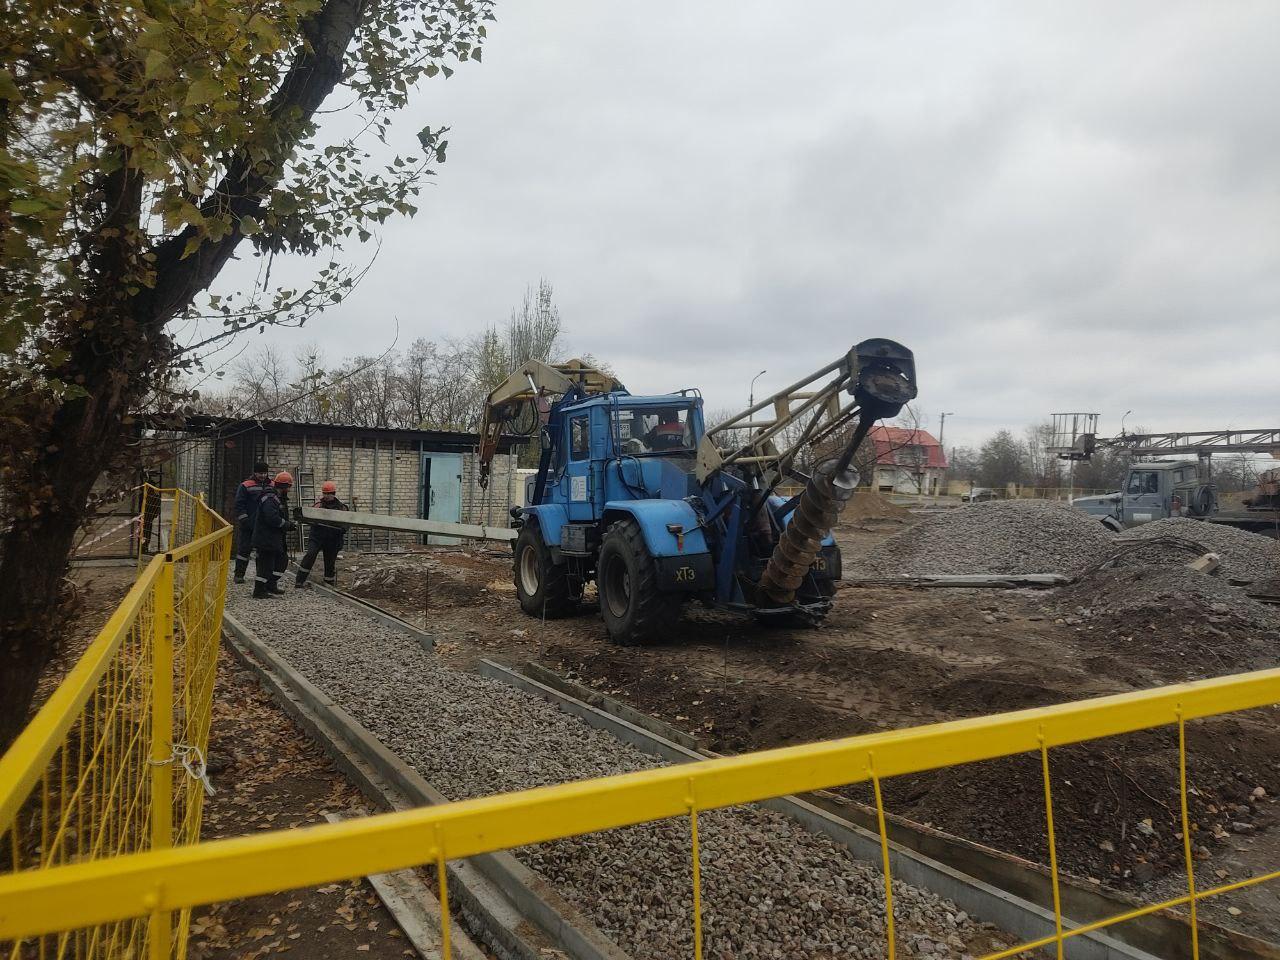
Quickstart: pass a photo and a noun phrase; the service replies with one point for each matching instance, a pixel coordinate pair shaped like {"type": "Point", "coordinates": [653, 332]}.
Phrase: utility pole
{"type": "Point", "coordinates": [942, 432]}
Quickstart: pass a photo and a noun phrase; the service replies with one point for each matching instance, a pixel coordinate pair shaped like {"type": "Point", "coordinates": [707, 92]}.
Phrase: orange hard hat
{"type": "Point", "coordinates": [284, 479]}
{"type": "Point", "coordinates": [328, 487]}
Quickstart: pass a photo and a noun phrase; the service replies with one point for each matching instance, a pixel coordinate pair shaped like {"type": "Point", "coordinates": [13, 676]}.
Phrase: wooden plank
{"type": "Point", "coordinates": [1205, 564]}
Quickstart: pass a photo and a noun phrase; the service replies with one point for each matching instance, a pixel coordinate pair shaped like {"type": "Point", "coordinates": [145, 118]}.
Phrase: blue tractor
{"type": "Point", "coordinates": [636, 494]}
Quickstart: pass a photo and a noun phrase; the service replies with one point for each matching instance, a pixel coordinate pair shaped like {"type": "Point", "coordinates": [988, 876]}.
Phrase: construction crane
{"type": "Point", "coordinates": [1075, 437]}
{"type": "Point", "coordinates": [1154, 490]}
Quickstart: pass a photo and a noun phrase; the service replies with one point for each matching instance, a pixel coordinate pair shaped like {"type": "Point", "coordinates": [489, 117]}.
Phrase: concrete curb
{"type": "Point", "coordinates": [511, 908]}
{"type": "Point", "coordinates": [416, 910]}
{"type": "Point", "coordinates": [1011, 914]}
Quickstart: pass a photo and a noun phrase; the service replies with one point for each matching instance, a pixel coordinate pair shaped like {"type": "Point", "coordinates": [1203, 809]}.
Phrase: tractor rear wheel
{"type": "Point", "coordinates": [633, 607]}
{"type": "Point", "coordinates": [543, 587]}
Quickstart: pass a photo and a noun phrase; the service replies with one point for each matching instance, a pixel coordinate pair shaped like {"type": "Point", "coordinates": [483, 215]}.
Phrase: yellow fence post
{"type": "Point", "coordinates": [161, 927]}
{"type": "Point", "coordinates": [890, 933]}
{"type": "Point", "coordinates": [697, 875]}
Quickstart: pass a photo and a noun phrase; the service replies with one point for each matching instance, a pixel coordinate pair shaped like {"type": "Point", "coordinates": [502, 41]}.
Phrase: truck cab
{"type": "Point", "coordinates": [1154, 491]}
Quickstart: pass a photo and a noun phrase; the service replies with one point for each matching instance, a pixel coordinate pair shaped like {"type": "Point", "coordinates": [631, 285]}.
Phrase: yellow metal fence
{"type": "Point", "coordinates": [111, 891]}
{"type": "Point", "coordinates": [110, 764]}
{"type": "Point", "coordinates": [100, 799]}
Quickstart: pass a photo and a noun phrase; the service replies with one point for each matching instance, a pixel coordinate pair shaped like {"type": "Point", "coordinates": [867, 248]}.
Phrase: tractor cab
{"type": "Point", "coordinates": [616, 446]}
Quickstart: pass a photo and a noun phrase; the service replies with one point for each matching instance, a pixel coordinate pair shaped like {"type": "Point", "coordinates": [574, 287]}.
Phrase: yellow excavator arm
{"type": "Point", "coordinates": [531, 381]}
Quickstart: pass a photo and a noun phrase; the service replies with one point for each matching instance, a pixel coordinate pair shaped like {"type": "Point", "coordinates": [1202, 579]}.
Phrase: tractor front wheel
{"type": "Point", "coordinates": [543, 587]}
{"type": "Point", "coordinates": [633, 607]}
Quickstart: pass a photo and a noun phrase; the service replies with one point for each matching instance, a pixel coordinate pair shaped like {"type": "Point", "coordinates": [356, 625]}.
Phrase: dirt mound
{"type": "Point", "coordinates": [1182, 623]}
{"type": "Point", "coordinates": [870, 505]}
{"type": "Point", "coordinates": [1245, 556]}
{"type": "Point", "coordinates": [1006, 536]}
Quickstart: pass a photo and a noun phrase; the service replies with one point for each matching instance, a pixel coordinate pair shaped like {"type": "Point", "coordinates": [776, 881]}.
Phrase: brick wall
{"type": "Point", "coordinates": [192, 466]}
{"type": "Point", "coordinates": [378, 476]}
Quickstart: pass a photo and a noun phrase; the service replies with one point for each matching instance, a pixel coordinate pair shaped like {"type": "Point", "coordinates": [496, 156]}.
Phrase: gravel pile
{"type": "Point", "coordinates": [1004, 536]}
{"type": "Point", "coordinates": [1190, 625]}
{"type": "Point", "coordinates": [770, 888]}
{"type": "Point", "coordinates": [1245, 556]}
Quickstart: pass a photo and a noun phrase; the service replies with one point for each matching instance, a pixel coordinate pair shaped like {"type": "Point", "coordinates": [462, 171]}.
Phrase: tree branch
{"type": "Point", "coordinates": [316, 69]}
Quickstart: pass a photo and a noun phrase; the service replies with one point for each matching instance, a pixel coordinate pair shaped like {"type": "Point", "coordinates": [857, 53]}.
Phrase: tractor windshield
{"type": "Point", "coordinates": [654, 430]}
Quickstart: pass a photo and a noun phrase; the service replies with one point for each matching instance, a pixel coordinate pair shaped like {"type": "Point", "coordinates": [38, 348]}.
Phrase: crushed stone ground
{"type": "Point", "coordinates": [771, 889]}
{"type": "Point", "coordinates": [1177, 616]}
{"type": "Point", "coordinates": [1005, 536]}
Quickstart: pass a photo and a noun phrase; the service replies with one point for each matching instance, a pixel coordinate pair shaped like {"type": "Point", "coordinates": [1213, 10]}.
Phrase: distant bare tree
{"type": "Point", "coordinates": [1042, 466]}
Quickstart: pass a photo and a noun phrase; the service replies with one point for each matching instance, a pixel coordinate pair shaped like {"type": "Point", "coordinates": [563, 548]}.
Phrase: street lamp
{"type": "Point", "coordinates": [751, 397]}
{"type": "Point", "coordinates": [942, 432]}
{"type": "Point", "coordinates": [1126, 413]}
{"type": "Point", "coordinates": [942, 427]}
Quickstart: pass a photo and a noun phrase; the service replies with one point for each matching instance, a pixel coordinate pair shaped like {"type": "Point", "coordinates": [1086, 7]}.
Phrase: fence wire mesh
{"type": "Point", "coordinates": [111, 763]}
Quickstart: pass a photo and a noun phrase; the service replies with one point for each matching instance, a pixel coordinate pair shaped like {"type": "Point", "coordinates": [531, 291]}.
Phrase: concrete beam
{"type": "Point", "coordinates": [381, 521]}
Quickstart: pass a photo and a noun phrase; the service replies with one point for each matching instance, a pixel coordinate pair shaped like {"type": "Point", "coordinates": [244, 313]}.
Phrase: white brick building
{"type": "Point", "coordinates": [408, 473]}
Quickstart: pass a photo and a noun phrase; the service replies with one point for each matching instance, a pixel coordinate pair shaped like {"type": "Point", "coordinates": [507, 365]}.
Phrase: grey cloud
{"type": "Point", "coordinates": [1056, 206]}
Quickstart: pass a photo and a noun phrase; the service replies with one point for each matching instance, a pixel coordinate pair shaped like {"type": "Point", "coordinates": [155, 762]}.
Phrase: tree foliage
{"type": "Point", "coordinates": [139, 145]}
{"type": "Point", "coordinates": [1002, 460]}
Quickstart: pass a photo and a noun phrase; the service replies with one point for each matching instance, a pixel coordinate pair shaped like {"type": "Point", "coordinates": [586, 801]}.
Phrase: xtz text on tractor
{"type": "Point", "coordinates": [635, 493]}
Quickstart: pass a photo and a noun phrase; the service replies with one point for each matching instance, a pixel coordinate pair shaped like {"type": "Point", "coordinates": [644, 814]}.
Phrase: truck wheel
{"type": "Point", "coordinates": [633, 607]}
{"type": "Point", "coordinates": [542, 586]}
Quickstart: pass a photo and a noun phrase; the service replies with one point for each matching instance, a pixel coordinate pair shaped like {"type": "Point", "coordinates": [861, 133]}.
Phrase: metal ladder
{"type": "Point", "coordinates": [304, 489]}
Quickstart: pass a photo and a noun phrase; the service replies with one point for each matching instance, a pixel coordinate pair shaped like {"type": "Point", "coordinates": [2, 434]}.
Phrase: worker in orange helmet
{"type": "Point", "coordinates": [323, 538]}
{"type": "Point", "coordinates": [269, 528]}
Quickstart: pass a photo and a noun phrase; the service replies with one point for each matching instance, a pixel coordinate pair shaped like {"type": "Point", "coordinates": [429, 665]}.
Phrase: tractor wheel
{"type": "Point", "coordinates": [542, 586]}
{"type": "Point", "coordinates": [633, 607]}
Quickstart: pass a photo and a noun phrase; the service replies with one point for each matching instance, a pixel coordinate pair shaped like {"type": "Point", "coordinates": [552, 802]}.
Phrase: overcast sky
{"type": "Point", "coordinates": [1057, 206]}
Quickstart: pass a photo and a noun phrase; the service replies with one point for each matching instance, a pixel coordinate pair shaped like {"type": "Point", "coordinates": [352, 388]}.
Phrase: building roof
{"type": "Point", "coordinates": [897, 446]}
{"type": "Point", "coordinates": [215, 427]}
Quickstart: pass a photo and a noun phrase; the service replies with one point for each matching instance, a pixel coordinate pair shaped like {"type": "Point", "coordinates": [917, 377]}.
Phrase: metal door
{"type": "Point", "coordinates": [578, 469]}
{"type": "Point", "coordinates": [442, 490]}
{"type": "Point", "coordinates": [1143, 499]}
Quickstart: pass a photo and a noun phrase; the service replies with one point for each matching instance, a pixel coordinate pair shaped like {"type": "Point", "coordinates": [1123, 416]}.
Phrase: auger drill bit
{"type": "Point", "coordinates": [885, 380]}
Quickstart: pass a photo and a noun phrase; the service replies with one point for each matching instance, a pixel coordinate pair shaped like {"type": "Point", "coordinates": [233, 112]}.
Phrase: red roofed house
{"type": "Point", "coordinates": [907, 461]}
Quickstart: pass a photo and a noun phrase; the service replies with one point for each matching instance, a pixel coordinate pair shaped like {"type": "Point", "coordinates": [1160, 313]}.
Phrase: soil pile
{"type": "Point", "coordinates": [1183, 623]}
{"type": "Point", "coordinates": [870, 505]}
{"type": "Point", "coordinates": [1005, 536]}
{"type": "Point", "coordinates": [1245, 556]}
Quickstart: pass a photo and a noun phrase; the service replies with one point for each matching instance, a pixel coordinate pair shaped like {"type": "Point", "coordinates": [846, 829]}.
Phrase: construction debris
{"type": "Point", "coordinates": [770, 888]}
{"type": "Point", "coordinates": [1244, 556]}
